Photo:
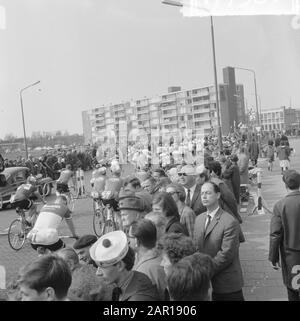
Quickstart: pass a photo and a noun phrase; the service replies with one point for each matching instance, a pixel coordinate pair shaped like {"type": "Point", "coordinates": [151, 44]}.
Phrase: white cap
{"type": "Point", "coordinates": [102, 170]}
{"type": "Point", "coordinates": [110, 249]}
{"type": "Point", "coordinates": [200, 169]}
{"type": "Point", "coordinates": [172, 171]}
{"type": "Point", "coordinates": [188, 169]}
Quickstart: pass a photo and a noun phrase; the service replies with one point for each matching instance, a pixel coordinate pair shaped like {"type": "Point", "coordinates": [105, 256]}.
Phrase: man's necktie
{"type": "Point", "coordinates": [116, 294]}
{"type": "Point", "coordinates": [188, 198]}
{"type": "Point", "coordinates": [208, 219]}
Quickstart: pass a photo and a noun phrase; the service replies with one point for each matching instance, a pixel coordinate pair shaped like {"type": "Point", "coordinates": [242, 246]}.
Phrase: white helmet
{"type": "Point", "coordinates": [102, 170]}
{"type": "Point", "coordinates": [31, 180]}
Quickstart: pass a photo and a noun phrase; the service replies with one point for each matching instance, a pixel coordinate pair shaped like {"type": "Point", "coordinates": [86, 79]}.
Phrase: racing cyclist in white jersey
{"type": "Point", "coordinates": [50, 217]}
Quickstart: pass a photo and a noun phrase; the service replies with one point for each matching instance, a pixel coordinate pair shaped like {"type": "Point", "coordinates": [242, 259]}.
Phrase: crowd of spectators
{"type": "Point", "coordinates": [180, 237]}
{"type": "Point", "coordinates": [50, 163]}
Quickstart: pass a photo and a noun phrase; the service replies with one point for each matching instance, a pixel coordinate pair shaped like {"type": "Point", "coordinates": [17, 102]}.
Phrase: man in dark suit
{"type": "Point", "coordinates": [187, 178]}
{"type": "Point", "coordinates": [285, 236]}
{"type": "Point", "coordinates": [217, 234]}
{"type": "Point", "coordinates": [227, 200]}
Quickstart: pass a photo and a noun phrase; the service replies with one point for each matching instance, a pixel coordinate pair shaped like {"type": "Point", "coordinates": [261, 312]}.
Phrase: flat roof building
{"type": "Point", "coordinates": [181, 114]}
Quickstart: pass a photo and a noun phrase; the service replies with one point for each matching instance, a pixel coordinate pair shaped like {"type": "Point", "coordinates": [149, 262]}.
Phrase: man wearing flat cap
{"type": "Point", "coordinates": [82, 247]}
{"type": "Point", "coordinates": [115, 260]}
{"type": "Point", "coordinates": [285, 236]}
{"type": "Point", "coordinates": [132, 210]}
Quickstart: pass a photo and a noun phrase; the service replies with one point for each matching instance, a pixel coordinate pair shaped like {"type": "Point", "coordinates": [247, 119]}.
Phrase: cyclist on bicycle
{"type": "Point", "coordinates": [64, 178]}
{"type": "Point", "coordinates": [113, 186]}
{"type": "Point", "coordinates": [50, 218]}
{"type": "Point", "coordinates": [98, 185]}
{"type": "Point", "coordinates": [115, 182]}
{"type": "Point", "coordinates": [24, 197]}
{"type": "Point", "coordinates": [99, 179]}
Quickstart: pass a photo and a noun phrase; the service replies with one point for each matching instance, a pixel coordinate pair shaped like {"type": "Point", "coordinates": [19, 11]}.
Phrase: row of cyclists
{"type": "Point", "coordinates": [52, 213]}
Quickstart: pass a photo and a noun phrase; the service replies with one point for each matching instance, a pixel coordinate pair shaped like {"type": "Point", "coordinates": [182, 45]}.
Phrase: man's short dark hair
{"type": "Point", "coordinates": [129, 259]}
{"type": "Point", "coordinates": [189, 279]}
{"type": "Point", "coordinates": [145, 233]}
{"type": "Point", "coordinates": [215, 186]}
{"type": "Point", "coordinates": [291, 179]}
{"type": "Point", "coordinates": [215, 166]}
{"type": "Point", "coordinates": [177, 246]}
{"type": "Point", "coordinates": [47, 271]}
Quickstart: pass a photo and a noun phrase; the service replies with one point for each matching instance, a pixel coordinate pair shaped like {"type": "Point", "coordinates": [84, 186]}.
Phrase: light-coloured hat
{"type": "Point", "coordinates": [102, 170]}
{"type": "Point", "coordinates": [172, 171]}
{"type": "Point", "coordinates": [200, 169]}
{"type": "Point", "coordinates": [188, 170]}
{"type": "Point", "coordinates": [110, 249]}
{"type": "Point", "coordinates": [46, 236]}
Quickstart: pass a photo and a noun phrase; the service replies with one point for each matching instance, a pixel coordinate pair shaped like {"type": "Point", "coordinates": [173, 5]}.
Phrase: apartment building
{"type": "Point", "coordinates": [279, 119]}
{"type": "Point", "coordinates": [181, 114]}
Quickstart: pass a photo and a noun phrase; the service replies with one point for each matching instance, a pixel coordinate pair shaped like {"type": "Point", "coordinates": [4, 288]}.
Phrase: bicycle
{"type": "Point", "coordinates": [105, 217]}
{"type": "Point", "coordinates": [19, 229]}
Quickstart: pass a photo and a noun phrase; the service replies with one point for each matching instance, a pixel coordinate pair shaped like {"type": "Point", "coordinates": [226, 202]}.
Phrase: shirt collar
{"type": "Point", "coordinates": [149, 255]}
{"type": "Point", "coordinates": [213, 213]}
{"type": "Point", "coordinates": [192, 189]}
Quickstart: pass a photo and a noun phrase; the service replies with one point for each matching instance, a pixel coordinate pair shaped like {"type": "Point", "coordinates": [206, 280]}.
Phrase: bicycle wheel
{"type": "Point", "coordinates": [98, 222]}
{"type": "Point", "coordinates": [16, 234]}
{"type": "Point", "coordinates": [46, 190]}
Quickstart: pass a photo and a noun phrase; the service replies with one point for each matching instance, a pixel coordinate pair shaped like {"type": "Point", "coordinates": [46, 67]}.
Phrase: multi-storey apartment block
{"type": "Point", "coordinates": [180, 114]}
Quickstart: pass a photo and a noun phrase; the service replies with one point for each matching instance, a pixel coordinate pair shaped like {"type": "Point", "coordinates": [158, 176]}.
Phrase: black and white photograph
{"type": "Point", "coordinates": [150, 151]}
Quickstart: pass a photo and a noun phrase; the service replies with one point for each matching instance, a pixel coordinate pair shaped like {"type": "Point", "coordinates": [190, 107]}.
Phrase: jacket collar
{"type": "Point", "coordinates": [171, 221]}
{"type": "Point", "coordinates": [197, 193]}
{"type": "Point", "coordinates": [214, 222]}
{"type": "Point", "coordinates": [148, 256]}
{"type": "Point", "coordinates": [293, 193]}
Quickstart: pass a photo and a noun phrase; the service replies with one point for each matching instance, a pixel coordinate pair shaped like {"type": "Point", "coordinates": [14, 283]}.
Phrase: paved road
{"type": "Point", "coordinates": [261, 281]}
{"type": "Point", "coordinates": [82, 217]}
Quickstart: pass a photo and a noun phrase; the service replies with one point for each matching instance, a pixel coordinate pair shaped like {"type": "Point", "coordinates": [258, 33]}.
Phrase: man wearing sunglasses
{"type": "Point", "coordinates": [187, 178]}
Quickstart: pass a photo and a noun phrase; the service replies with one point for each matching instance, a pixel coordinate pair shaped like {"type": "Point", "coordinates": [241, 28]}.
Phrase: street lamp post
{"type": "Point", "coordinates": [179, 4]}
{"type": "Point", "coordinates": [216, 85]}
{"type": "Point", "coordinates": [23, 120]}
{"type": "Point", "coordinates": [149, 137]}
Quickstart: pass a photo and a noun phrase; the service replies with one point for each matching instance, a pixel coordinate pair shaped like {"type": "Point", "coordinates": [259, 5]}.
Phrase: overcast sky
{"type": "Point", "coordinates": [87, 53]}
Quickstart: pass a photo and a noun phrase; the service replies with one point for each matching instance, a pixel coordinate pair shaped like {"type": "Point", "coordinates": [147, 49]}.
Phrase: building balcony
{"type": "Point", "coordinates": [169, 122]}
{"type": "Point", "coordinates": [206, 118]}
{"type": "Point", "coordinates": [142, 112]}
